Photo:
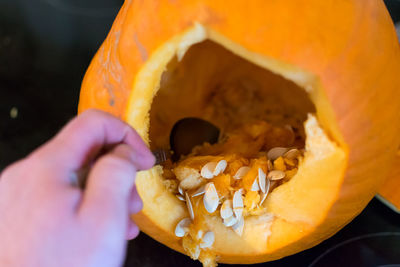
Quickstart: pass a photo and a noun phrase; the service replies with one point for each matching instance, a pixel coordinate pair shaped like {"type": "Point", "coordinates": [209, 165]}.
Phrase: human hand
{"type": "Point", "coordinates": [46, 220]}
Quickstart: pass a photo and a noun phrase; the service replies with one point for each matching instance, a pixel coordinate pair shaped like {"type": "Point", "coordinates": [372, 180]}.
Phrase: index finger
{"type": "Point", "coordinates": [83, 138]}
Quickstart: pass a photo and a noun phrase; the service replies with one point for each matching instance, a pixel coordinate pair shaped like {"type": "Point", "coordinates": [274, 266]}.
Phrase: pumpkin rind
{"type": "Point", "coordinates": [355, 59]}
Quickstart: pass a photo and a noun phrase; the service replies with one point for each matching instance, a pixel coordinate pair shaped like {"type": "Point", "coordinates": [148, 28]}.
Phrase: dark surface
{"type": "Point", "coordinates": [45, 48]}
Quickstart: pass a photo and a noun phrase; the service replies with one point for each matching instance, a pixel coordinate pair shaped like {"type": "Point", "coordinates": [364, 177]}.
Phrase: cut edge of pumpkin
{"type": "Point", "coordinates": [163, 210]}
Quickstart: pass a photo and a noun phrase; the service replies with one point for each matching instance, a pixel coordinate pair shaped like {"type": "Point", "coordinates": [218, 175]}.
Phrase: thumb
{"type": "Point", "coordinates": [109, 185]}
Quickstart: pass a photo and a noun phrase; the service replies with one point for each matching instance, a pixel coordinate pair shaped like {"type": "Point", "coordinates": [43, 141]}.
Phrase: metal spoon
{"type": "Point", "coordinates": [185, 135]}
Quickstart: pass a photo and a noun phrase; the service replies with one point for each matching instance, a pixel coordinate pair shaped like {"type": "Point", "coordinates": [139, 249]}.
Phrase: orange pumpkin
{"type": "Point", "coordinates": [279, 61]}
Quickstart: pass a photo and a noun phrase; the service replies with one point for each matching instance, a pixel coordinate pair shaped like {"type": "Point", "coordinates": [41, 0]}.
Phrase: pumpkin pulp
{"type": "Point", "coordinates": [209, 81]}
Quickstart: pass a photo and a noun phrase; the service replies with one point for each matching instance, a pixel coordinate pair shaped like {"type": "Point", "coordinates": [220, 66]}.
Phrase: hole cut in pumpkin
{"type": "Point", "coordinates": [251, 201]}
{"type": "Point", "coordinates": [261, 116]}
{"type": "Point", "coordinates": [212, 83]}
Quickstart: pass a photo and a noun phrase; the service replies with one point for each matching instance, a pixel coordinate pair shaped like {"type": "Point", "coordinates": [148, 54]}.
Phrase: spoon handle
{"type": "Point", "coordinates": [161, 156]}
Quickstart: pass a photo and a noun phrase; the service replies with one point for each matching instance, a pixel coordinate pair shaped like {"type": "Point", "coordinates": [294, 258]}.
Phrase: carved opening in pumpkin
{"type": "Point", "coordinates": [212, 83]}
{"type": "Point", "coordinates": [201, 73]}
{"type": "Point", "coordinates": [261, 116]}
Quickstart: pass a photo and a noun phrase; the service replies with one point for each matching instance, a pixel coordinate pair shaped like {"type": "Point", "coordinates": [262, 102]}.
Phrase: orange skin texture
{"type": "Point", "coordinates": [350, 45]}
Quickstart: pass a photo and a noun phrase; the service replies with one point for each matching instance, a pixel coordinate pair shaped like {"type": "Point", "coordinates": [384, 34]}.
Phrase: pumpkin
{"type": "Point", "coordinates": [327, 69]}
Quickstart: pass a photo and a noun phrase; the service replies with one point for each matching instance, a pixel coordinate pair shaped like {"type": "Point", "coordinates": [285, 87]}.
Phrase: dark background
{"type": "Point", "coordinates": [45, 48]}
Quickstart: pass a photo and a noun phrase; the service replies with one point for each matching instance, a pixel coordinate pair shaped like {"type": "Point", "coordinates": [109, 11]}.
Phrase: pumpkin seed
{"type": "Point", "coordinates": [220, 168]}
{"type": "Point", "coordinates": [261, 179]}
{"type": "Point", "coordinates": [207, 240]}
{"type": "Point", "coordinates": [239, 226]}
{"type": "Point", "coordinates": [276, 152]}
{"type": "Point", "coordinates": [238, 203]}
{"type": "Point", "coordinates": [292, 154]}
{"type": "Point", "coordinates": [189, 206]}
{"type": "Point", "coordinates": [276, 175]}
{"type": "Point", "coordinates": [241, 172]}
{"type": "Point", "coordinates": [180, 197]}
{"type": "Point", "coordinates": [230, 221]}
{"type": "Point", "coordinates": [254, 186]}
{"type": "Point", "coordinates": [238, 212]}
{"type": "Point", "coordinates": [208, 170]}
{"type": "Point", "coordinates": [201, 190]}
{"type": "Point", "coordinates": [212, 169]}
{"type": "Point", "coordinates": [264, 195]}
{"type": "Point", "coordinates": [226, 209]}
{"type": "Point", "coordinates": [211, 199]}
{"type": "Point", "coordinates": [182, 227]}
{"type": "Point", "coordinates": [180, 190]}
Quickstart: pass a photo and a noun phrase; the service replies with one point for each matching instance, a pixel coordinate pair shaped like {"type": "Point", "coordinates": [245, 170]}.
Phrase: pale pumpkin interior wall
{"type": "Point", "coordinates": [211, 82]}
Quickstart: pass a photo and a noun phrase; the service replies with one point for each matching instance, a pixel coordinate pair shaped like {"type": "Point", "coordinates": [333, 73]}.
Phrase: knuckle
{"type": "Point", "coordinates": [13, 169]}
{"type": "Point", "coordinates": [92, 112]}
{"type": "Point", "coordinates": [94, 115]}
{"type": "Point", "coordinates": [117, 164]}
{"type": "Point", "coordinates": [91, 117]}
{"type": "Point", "coordinates": [127, 129]}
{"type": "Point", "coordinates": [38, 160]}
